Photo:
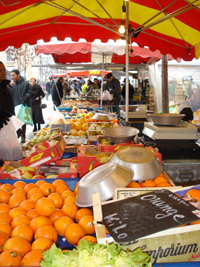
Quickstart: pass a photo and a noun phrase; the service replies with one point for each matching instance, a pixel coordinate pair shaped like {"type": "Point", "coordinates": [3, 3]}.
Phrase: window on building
{"type": "Point", "coordinates": [9, 57]}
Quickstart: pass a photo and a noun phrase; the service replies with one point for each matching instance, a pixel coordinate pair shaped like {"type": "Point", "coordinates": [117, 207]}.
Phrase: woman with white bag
{"type": "Point", "coordinates": [9, 145]}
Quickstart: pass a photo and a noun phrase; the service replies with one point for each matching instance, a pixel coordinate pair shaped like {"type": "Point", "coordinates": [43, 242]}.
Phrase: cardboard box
{"type": "Point", "coordinates": [112, 148]}
{"type": "Point", "coordinates": [179, 244]}
{"type": "Point", "coordinates": [44, 155]}
{"type": "Point", "coordinates": [2, 168]}
{"type": "Point", "coordinates": [87, 163]}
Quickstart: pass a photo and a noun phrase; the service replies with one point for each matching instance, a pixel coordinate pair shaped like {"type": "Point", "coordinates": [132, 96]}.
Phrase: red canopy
{"type": "Point", "coordinates": [83, 52]}
{"type": "Point", "coordinates": [173, 27]}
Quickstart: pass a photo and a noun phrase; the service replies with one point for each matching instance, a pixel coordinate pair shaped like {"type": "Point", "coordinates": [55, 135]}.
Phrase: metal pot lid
{"type": "Point", "coordinates": [135, 155]}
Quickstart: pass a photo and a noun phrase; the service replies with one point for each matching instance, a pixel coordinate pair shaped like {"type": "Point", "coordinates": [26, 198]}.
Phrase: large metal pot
{"type": "Point", "coordinates": [103, 179]}
{"type": "Point", "coordinates": [130, 107]}
{"type": "Point", "coordinates": [166, 119]}
{"type": "Point", "coordinates": [120, 134]}
{"type": "Point", "coordinates": [141, 160]}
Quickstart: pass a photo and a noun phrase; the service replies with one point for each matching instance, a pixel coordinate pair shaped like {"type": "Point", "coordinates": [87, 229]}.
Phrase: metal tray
{"type": "Point", "coordinates": [103, 179]}
{"type": "Point", "coordinates": [101, 117]}
{"type": "Point", "coordinates": [167, 119]}
{"type": "Point", "coordinates": [120, 134]}
{"type": "Point", "coordinates": [130, 107]}
{"type": "Point", "coordinates": [140, 160]}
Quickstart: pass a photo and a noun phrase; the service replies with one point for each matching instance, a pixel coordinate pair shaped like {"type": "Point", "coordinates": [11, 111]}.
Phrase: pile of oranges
{"type": "Point", "coordinates": [80, 126]}
{"type": "Point", "coordinates": [33, 215]}
{"type": "Point", "coordinates": [159, 181]}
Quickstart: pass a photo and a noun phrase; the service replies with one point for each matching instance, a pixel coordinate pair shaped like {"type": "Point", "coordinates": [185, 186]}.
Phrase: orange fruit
{"type": "Point", "coordinates": [32, 258]}
{"type": "Point", "coordinates": [10, 258]}
{"type": "Point", "coordinates": [160, 179]}
{"type": "Point", "coordinates": [195, 222]}
{"type": "Point", "coordinates": [45, 206]}
{"type": "Point", "coordinates": [82, 212]}
{"type": "Point", "coordinates": [15, 200]}
{"type": "Point", "coordinates": [163, 184]}
{"type": "Point", "coordinates": [70, 209]}
{"type": "Point", "coordinates": [20, 184]}
{"type": "Point", "coordinates": [58, 182]}
{"type": "Point", "coordinates": [33, 191]}
{"type": "Point", "coordinates": [74, 132]}
{"type": "Point", "coordinates": [193, 193]}
{"type": "Point", "coordinates": [23, 230]}
{"type": "Point", "coordinates": [56, 214]}
{"type": "Point", "coordinates": [5, 227]}
{"type": "Point", "coordinates": [40, 182]}
{"type": "Point", "coordinates": [47, 189]}
{"type": "Point", "coordinates": [47, 231]}
{"type": "Point", "coordinates": [89, 238]}
{"type": "Point", "coordinates": [29, 186]}
{"type": "Point", "coordinates": [58, 200]}
{"type": "Point", "coordinates": [21, 219]}
{"type": "Point", "coordinates": [4, 196]}
{"type": "Point", "coordinates": [6, 187]}
{"type": "Point", "coordinates": [27, 204]}
{"type": "Point", "coordinates": [67, 193]}
{"type": "Point", "coordinates": [87, 223]}
{"type": "Point", "coordinates": [82, 120]}
{"type": "Point", "coordinates": [36, 196]}
{"type": "Point", "coordinates": [16, 212]}
{"type": "Point", "coordinates": [76, 190]}
{"type": "Point", "coordinates": [133, 185]}
{"type": "Point", "coordinates": [61, 188]}
{"type": "Point", "coordinates": [18, 244]}
{"type": "Point", "coordinates": [73, 233]}
{"type": "Point", "coordinates": [78, 125]}
{"type": "Point", "coordinates": [85, 126]}
{"type": "Point", "coordinates": [69, 200]}
{"type": "Point", "coordinates": [31, 214]}
{"type": "Point", "coordinates": [42, 243]}
{"type": "Point", "coordinates": [61, 224]}
{"type": "Point", "coordinates": [36, 222]}
{"type": "Point", "coordinates": [3, 238]}
{"type": "Point", "coordinates": [18, 190]}
{"type": "Point", "coordinates": [147, 183]}
{"type": "Point", "coordinates": [4, 208]}
{"type": "Point", "coordinates": [5, 217]}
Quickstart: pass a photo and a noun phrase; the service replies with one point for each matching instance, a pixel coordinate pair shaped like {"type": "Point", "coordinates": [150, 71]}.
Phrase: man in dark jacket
{"type": "Point", "coordinates": [131, 93]}
{"type": "Point", "coordinates": [66, 88]}
{"type": "Point", "coordinates": [22, 93]}
{"type": "Point", "coordinates": [57, 93]}
{"type": "Point", "coordinates": [113, 86]}
{"type": "Point", "coordinates": [75, 87]}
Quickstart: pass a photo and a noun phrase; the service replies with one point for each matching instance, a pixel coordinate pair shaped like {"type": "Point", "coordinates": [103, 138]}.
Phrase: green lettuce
{"type": "Point", "coordinates": [88, 254]}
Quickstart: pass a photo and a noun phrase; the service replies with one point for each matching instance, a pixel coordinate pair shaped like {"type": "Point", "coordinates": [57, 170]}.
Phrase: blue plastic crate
{"type": "Point", "coordinates": [178, 264]}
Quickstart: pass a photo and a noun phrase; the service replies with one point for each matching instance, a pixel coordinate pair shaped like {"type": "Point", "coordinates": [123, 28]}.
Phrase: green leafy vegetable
{"type": "Point", "coordinates": [88, 254]}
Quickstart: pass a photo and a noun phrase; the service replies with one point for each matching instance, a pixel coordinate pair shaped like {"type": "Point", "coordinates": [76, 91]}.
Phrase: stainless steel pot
{"type": "Point", "coordinates": [103, 179]}
{"type": "Point", "coordinates": [120, 134]}
{"type": "Point", "coordinates": [130, 107]}
{"type": "Point", "coordinates": [166, 119]}
{"type": "Point", "coordinates": [141, 160]}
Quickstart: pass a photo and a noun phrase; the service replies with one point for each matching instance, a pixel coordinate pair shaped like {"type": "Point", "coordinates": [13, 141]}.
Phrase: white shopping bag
{"type": "Point", "coordinates": [106, 95]}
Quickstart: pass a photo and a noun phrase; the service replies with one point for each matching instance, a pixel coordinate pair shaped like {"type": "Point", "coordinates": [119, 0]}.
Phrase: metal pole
{"type": "Point", "coordinates": [102, 81]}
{"type": "Point", "coordinates": [165, 95]}
{"type": "Point", "coordinates": [127, 62]}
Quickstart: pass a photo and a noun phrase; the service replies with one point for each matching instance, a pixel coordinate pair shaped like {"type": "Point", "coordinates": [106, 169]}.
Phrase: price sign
{"type": "Point", "coordinates": [139, 216]}
{"type": "Point", "coordinates": [63, 127]}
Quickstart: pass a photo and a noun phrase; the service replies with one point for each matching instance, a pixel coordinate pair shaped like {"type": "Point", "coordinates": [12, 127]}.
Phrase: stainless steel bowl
{"type": "Point", "coordinates": [166, 119]}
{"type": "Point", "coordinates": [141, 160]}
{"type": "Point", "coordinates": [101, 117]}
{"type": "Point", "coordinates": [102, 179]}
{"type": "Point", "coordinates": [120, 134]}
{"type": "Point", "coordinates": [130, 107]}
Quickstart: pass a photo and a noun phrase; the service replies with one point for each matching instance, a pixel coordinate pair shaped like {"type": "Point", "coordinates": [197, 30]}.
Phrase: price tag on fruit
{"type": "Point", "coordinates": [136, 217]}
{"type": "Point", "coordinates": [63, 127]}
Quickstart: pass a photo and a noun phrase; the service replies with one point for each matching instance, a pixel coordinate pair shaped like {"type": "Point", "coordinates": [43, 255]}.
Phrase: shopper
{"type": "Point", "coordinates": [189, 106]}
{"type": "Point", "coordinates": [22, 92]}
{"type": "Point", "coordinates": [9, 148]}
{"type": "Point", "coordinates": [130, 90]}
{"type": "Point", "coordinates": [75, 87]}
{"type": "Point", "coordinates": [57, 93]}
{"type": "Point", "coordinates": [66, 88]}
{"type": "Point", "coordinates": [38, 94]}
{"type": "Point", "coordinates": [113, 86]}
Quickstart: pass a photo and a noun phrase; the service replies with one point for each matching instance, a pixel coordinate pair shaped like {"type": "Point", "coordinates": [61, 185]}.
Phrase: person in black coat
{"type": "Point", "coordinates": [6, 98]}
{"type": "Point", "coordinates": [131, 92]}
{"type": "Point", "coordinates": [38, 94]}
{"type": "Point", "coordinates": [57, 93]}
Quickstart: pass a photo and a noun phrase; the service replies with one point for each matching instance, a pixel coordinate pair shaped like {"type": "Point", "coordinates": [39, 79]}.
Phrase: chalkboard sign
{"type": "Point", "coordinates": [139, 216]}
{"type": "Point", "coordinates": [63, 127]}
